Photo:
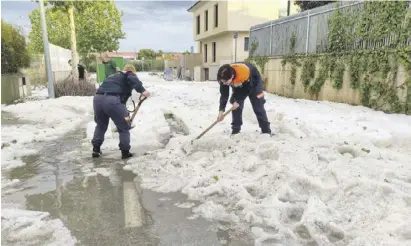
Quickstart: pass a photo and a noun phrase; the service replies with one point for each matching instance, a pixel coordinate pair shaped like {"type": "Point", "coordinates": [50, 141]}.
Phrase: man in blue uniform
{"type": "Point", "coordinates": [245, 81]}
{"type": "Point", "coordinates": [109, 103]}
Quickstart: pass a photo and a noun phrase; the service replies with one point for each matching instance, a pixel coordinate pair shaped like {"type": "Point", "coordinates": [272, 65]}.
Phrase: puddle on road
{"type": "Point", "coordinates": [8, 118]}
{"type": "Point", "coordinates": [27, 171]}
{"type": "Point", "coordinates": [102, 204]}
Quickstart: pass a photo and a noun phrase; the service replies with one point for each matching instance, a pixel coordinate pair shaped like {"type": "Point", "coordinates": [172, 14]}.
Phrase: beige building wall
{"type": "Point", "coordinates": [192, 60]}
{"type": "Point", "coordinates": [237, 15]}
{"type": "Point", "coordinates": [223, 52]}
{"type": "Point", "coordinates": [13, 88]}
{"type": "Point", "coordinates": [233, 16]}
{"type": "Point", "coordinates": [171, 63]}
{"type": "Point", "coordinates": [278, 82]}
{"type": "Point", "coordinates": [199, 11]}
{"type": "Point", "coordinates": [189, 62]}
{"type": "Point", "coordinates": [242, 14]}
{"type": "Point", "coordinates": [186, 63]}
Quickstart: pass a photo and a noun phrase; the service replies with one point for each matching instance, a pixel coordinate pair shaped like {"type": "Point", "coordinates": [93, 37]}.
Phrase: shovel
{"type": "Point", "coordinates": [141, 99]}
{"type": "Point", "coordinates": [206, 130]}
{"type": "Point", "coordinates": [211, 126]}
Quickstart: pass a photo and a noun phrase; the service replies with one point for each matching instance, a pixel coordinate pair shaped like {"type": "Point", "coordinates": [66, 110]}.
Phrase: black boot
{"type": "Point", "coordinates": [125, 154]}
{"type": "Point", "coordinates": [235, 131]}
{"type": "Point", "coordinates": [267, 132]}
{"type": "Point", "coordinates": [96, 152]}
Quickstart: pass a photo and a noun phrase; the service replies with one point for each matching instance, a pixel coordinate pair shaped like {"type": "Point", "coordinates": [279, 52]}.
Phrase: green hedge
{"type": "Point", "coordinates": [89, 61]}
{"type": "Point", "coordinates": [148, 65]}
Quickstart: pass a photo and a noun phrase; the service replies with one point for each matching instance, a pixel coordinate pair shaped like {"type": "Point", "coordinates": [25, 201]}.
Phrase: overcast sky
{"type": "Point", "coordinates": [164, 25]}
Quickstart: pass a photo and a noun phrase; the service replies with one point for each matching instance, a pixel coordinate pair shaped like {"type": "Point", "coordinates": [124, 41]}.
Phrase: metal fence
{"type": "Point", "coordinates": [309, 27]}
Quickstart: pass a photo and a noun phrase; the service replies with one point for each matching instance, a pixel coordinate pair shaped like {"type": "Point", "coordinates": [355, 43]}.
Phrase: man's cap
{"type": "Point", "coordinates": [130, 68]}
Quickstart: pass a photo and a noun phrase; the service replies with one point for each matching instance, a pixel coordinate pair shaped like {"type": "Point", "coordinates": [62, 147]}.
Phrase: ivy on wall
{"type": "Point", "coordinates": [292, 59]}
{"type": "Point", "coordinates": [308, 71]}
{"type": "Point", "coordinates": [323, 74]}
{"type": "Point", "coordinates": [260, 62]}
{"type": "Point", "coordinates": [358, 45]}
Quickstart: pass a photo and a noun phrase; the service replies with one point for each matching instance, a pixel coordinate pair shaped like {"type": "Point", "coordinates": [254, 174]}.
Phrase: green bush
{"type": "Point", "coordinates": [148, 65]}
{"type": "Point", "coordinates": [14, 54]}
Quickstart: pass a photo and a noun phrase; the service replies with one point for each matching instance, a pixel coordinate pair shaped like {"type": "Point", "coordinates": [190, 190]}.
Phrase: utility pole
{"type": "Point", "coordinates": [235, 46]}
{"type": "Point", "coordinates": [50, 84]}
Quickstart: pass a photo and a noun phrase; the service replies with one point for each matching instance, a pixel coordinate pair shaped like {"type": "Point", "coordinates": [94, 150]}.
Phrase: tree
{"type": "Point", "coordinates": [159, 53]}
{"type": "Point", "coordinates": [68, 8]}
{"type": "Point", "coordinates": [168, 57]}
{"type": "Point", "coordinates": [94, 32]}
{"type": "Point", "coordinates": [100, 27]}
{"type": "Point", "coordinates": [147, 54]}
{"type": "Point", "coordinates": [89, 61]}
{"type": "Point", "coordinates": [89, 26]}
{"type": "Point", "coordinates": [57, 30]}
{"type": "Point", "coordinates": [14, 54]}
{"type": "Point", "coordinates": [306, 5]}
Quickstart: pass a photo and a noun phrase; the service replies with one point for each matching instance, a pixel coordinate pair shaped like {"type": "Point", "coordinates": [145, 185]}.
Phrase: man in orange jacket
{"type": "Point", "coordinates": [245, 81]}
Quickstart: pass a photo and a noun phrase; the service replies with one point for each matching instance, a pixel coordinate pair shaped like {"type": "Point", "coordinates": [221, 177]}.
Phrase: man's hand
{"type": "Point", "coordinates": [146, 94]}
{"type": "Point", "coordinates": [235, 105]}
{"type": "Point", "coordinates": [220, 116]}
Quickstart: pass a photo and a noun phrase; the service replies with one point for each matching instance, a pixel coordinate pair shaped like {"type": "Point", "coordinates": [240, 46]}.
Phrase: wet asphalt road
{"type": "Point", "coordinates": [107, 209]}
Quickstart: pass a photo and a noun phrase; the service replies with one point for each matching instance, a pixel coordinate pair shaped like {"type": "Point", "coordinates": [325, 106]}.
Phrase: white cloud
{"type": "Point", "coordinates": [157, 25]}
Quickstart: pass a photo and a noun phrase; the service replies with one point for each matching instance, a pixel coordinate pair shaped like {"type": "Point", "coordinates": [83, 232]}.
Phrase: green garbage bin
{"type": "Point", "coordinates": [101, 73]}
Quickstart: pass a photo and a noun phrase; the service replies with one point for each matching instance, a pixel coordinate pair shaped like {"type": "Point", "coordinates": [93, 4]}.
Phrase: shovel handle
{"type": "Point", "coordinates": [141, 99]}
{"type": "Point", "coordinates": [212, 125]}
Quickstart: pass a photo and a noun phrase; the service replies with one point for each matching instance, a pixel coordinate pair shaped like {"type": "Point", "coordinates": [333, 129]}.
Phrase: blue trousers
{"type": "Point", "coordinates": [108, 107]}
{"type": "Point", "coordinates": [258, 108]}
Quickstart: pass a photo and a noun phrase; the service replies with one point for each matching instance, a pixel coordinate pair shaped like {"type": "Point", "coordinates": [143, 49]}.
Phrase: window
{"type": "Point", "coordinates": [205, 53]}
{"type": "Point", "coordinates": [198, 24]}
{"type": "Point", "coordinates": [206, 20]}
{"type": "Point", "coordinates": [216, 15]}
{"type": "Point", "coordinates": [246, 43]}
{"type": "Point", "coordinates": [214, 52]}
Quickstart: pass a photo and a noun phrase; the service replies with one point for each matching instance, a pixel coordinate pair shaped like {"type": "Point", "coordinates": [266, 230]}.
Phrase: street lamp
{"type": "Point", "coordinates": [288, 7]}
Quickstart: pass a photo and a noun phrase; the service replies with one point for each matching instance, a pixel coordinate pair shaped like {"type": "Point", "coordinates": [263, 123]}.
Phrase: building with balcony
{"type": "Point", "coordinates": [217, 23]}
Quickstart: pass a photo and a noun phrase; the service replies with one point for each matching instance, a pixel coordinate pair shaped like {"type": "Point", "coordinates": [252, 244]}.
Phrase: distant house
{"type": "Point", "coordinates": [216, 23]}
{"type": "Point", "coordinates": [170, 56]}
{"type": "Point", "coordinates": [125, 55]}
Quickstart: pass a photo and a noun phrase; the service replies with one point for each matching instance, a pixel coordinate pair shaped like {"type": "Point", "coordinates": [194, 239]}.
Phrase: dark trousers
{"type": "Point", "coordinates": [106, 107]}
{"type": "Point", "coordinates": [259, 110]}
